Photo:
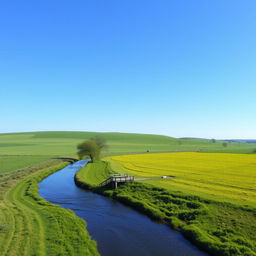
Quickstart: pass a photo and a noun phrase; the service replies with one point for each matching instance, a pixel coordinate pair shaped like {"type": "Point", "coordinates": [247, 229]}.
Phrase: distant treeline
{"type": "Point", "coordinates": [253, 141]}
{"type": "Point", "coordinates": [242, 141]}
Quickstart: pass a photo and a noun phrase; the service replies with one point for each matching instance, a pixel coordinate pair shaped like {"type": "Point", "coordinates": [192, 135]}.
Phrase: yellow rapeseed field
{"type": "Point", "coordinates": [225, 177]}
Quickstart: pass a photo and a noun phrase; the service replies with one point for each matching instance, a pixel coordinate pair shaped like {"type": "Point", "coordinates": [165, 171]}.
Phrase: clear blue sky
{"type": "Point", "coordinates": [179, 68]}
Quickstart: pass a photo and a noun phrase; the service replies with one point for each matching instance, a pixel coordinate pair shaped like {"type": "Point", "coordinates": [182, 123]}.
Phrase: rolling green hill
{"type": "Point", "coordinates": [19, 150]}
{"type": "Point", "coordinates": [64, 143]}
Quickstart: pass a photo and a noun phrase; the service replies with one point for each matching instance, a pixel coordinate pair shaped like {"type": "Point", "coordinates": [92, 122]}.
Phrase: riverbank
{"type": "Point", "coordinates": [29, 225]}
{"type": "Point", "coordinates": [221, 229]}
{"type": "Point", "coordinates": [117, 229]}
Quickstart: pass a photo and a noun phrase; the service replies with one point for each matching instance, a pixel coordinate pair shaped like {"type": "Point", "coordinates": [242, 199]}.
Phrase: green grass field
{"type": "Point", "coordinates": [29, 225]}
{"type": "Point", "coordinates": [64, 143]}
{"type": "Point", "coordinates": [13, 162]}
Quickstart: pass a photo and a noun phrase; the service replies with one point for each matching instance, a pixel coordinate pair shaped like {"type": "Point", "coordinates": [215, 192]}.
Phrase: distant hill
{"type": "Point", "coordinates": [195, 139]}
{"type": "Point", "coordinates": [242, 141]}
{"type": "Point", "coordinates": [227, 140]}
{"type": "Point", "coordinates": [60, 143]}
{"type": "Point", "coordinates": [64, 142]}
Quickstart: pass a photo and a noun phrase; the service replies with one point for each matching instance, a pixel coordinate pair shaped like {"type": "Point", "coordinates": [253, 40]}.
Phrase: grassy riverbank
{"type": "Point", "coordinates": [93, 174]}
{"type": "Point", "coordinates": [220, 228]}
{"type": "Point", "coordinates": [29, 225]}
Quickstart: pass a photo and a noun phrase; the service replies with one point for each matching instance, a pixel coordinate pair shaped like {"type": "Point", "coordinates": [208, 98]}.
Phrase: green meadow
{"type": "Point", "coordinates": [29, 225]}
{"type": "Point", "coordinates": [64, 143]}
{"type": "Point", "coordinates": [15, 162]}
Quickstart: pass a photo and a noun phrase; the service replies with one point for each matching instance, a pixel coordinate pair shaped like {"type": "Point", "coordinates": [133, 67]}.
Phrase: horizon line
{"type": "Point", "coordinates": [183, 137]}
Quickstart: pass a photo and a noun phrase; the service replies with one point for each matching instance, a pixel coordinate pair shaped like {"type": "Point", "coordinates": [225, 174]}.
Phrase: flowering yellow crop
{"type": "Point", "coordinates": [225, 177]}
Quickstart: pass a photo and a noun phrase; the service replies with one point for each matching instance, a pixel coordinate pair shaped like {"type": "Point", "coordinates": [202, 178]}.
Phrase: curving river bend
{"type": "Point", "coordinates": [118, 229]}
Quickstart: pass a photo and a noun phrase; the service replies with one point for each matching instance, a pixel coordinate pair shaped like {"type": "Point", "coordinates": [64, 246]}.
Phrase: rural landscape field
{"type": "Point", "coordinates": [225, 184]}
{"type": "Point", "coordinates": [128, 128]}
{"type": "Point", "coordinates": [221, 186]}
{"type": "Point", "coordinates": [226, 177]}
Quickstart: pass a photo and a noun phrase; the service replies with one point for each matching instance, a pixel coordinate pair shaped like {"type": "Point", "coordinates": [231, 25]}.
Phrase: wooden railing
{"type": "Point", "coordinates": [117, 178]}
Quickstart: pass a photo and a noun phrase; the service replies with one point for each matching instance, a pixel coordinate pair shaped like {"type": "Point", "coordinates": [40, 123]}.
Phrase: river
{"type": "Point", "coordinates": [118, 229]}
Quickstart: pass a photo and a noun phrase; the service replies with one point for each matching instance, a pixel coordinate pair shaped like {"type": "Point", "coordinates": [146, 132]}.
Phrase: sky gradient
{"type": "Point", "coordinates": [178, 68]}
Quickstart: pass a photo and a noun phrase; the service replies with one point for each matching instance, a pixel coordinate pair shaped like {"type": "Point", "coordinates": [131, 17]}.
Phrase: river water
{"type": "Point", "coordinates": [119, 230]}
